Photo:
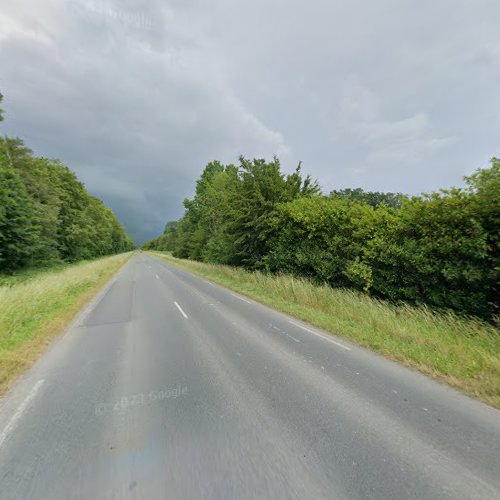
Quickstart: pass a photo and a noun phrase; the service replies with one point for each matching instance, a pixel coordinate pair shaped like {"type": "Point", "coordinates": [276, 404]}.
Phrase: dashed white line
{"type": "Point", "coordinates": [284, 333]}
{"type": "Point", "coordinates": [180, 309]}
{"type": "Point", "coordinates": [319, 335]}
{"type": "Point", "coordinates": [157, 277]}
{"type": "Point", "coordinates": [241, 298]}
{"type": "Point", "coordinates": [202, 297]}
{"type": "Point", "coordinates": [17, 415]}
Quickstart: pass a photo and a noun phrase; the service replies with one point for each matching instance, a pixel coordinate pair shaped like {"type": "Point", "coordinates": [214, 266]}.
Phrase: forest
{"type": "Point", "coordinates": [439, 250]}
{"type": "Point", "coordinates": [47, 215]}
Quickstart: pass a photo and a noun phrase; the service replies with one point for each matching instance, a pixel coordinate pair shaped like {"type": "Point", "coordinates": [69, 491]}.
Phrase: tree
{"type": "Point", "coordinates": [263, 187]}
{"type": "Point", "coordinates": [18, 230]}
{"type": "Point", "coordinates": [484, 187]}
{"type": "Point", "coordinates": [37, 177]}
{"type": "Point", "coordinates": [322, 238]}
{"type": "Point", "coordinates": [372, 198]}
{"type": "Point", "coordinates": [434, 251]}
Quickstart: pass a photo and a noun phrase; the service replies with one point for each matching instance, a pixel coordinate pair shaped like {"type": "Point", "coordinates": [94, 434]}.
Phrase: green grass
{"type": "Point", "coordinates": [465, 353]}
{"type": "Point", "coordinates": [30, 273]}
{"type": "Point", "coordinates": [37, 305]}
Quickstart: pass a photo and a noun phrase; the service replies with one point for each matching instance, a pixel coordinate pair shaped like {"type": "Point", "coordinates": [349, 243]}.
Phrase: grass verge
{"type": "Point", "coordinates": [30, 273]}
{"type": "Point", "coordinates": [33, 311]}
{"type": "Point", "coordinates": [465, 353]}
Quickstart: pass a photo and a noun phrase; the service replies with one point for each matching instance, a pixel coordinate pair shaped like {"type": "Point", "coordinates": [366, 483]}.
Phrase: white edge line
{"type": "Point", "coordinates": [180, 309]}
{"type": "Point", "coordinates": [241, 298]}
{"type": "Point", "coordinates": [319, 335]}
{"type": "Point", "coordinates": [17, 415]}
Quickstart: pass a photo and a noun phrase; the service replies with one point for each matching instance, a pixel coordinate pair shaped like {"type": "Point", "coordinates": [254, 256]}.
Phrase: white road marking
{"type": "Point", "coordinates": [202, 297]}
{"type": "Point", "coordinates": [157, 277]}
{"type": "Point", "coordinates": [281, 332]}
{"type": "Point", "coordinates": [17, 415]}
{"type": "Point", "coordinates": [319, 335]}
{"type": "Point", "coordinates": [180, 309]}
{"type": "Point", "coordinates": [211, 284]}
{"type": "Point", "coordinates": [241, 298]}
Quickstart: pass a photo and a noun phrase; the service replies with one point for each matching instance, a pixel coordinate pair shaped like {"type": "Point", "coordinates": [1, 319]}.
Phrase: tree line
{"type": "Point", "coordinates": [47, 215]}
{"type": "Point", "coordinates": [439, 249]}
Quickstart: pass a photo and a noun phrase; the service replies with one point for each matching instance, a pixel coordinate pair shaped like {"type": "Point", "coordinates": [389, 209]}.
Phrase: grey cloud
{"type": "Point", "coordinates": [137, 96]}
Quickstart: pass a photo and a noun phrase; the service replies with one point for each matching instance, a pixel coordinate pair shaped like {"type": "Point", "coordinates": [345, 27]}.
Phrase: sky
{"type": "Point", "coordinates": [137, 96]}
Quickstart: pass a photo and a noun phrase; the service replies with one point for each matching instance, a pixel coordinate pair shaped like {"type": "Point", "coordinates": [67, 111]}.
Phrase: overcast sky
{"type": "Point", "coordinates": [137, 96]}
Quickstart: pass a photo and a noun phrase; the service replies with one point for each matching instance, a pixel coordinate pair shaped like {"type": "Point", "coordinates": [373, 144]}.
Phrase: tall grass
{"type": "Point", "coordinates": [463, 352]}
{"type": "Point", "coordinates": [34, 310]}
{"type": "Point", "coordinates": [31, 272]}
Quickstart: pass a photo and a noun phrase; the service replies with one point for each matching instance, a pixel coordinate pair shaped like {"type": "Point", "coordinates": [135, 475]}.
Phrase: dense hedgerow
{"type": "Point", "coordinates": [440, 249]}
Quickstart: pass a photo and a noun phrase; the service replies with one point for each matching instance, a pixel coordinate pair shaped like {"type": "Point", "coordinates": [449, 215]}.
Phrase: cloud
{"type": "Point", "coordinates": [138, 96]}
{"type": "Point", "coordinates": [137, 114]}
{"type": "Point", "coordinates": [407, 141]}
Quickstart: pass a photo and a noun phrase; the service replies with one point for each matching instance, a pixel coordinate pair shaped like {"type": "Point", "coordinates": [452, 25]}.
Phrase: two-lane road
{"type": "Point", "coordinates": [173, 387]}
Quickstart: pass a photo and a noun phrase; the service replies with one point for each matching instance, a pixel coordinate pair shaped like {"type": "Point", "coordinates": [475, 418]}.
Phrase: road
{"type": "Point", "coordinates": [172, 387]}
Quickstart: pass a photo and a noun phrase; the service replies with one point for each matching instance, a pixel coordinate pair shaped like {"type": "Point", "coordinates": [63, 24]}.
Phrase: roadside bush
{"type": "Point", "coordinates": [441, 249]}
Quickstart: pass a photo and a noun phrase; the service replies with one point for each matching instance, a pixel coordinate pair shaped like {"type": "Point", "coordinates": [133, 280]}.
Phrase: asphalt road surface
{"type": "Point", "coordinates": [172, 387]}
